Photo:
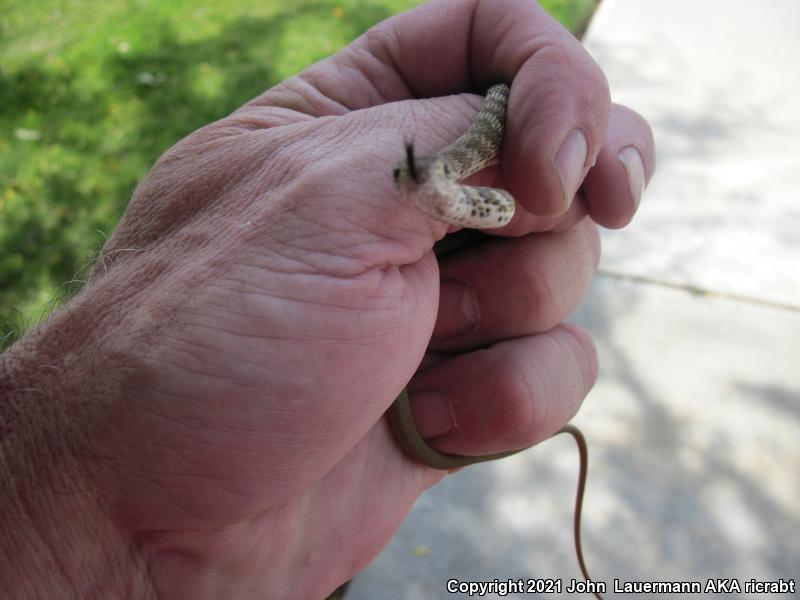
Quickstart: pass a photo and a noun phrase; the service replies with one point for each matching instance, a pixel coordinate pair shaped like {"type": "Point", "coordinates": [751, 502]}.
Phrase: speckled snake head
{"type": "Point", "coordinates": [415, 170]}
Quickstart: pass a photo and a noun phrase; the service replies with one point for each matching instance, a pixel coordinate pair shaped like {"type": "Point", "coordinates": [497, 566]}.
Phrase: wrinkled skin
{"type": "Point", "coordinates": [205, 418]}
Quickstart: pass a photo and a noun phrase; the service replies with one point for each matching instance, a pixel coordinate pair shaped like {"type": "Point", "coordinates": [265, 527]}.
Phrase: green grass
{"type": "Point", "coordinates": [92, 92]}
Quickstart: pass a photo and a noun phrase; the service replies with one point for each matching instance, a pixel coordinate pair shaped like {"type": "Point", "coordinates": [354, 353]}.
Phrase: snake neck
{"type": "Point", "coordinates": [479, 145]}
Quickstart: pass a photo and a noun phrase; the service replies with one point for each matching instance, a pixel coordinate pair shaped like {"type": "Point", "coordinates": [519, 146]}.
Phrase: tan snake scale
{"type": "Point", "coordinates": [434, 184]}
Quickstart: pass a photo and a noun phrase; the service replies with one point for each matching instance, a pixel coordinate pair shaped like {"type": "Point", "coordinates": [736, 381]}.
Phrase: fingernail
{"type": "Point", "coordinates": [433, 414]}
{"type": "Point", "coordinates": [634, 167]}
{"type": "Point", "coordinates": [458, 310]}
{"type": "Point", "coordinates": [570, 161]}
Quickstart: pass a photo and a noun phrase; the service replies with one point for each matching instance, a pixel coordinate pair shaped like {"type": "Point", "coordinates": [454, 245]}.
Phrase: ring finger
{"type": "Point", "coordinates": [506, 397]}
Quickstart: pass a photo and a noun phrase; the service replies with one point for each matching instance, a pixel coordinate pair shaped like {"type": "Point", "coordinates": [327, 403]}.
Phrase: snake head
{"type": "Point", "coordinates": [413, 170]}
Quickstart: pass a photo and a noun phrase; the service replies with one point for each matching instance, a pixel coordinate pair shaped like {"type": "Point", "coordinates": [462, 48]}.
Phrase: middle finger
{"type": "Point", "coordinates": [510, 287]}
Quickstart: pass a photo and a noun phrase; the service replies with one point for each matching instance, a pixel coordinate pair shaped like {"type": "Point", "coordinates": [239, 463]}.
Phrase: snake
{"type": "Point", "coordinates": [434, 181]}
{"type": "Point", "coordinates": [434, 184]}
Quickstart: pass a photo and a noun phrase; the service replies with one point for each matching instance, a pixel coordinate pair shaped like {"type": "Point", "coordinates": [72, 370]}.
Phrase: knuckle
{"type": "Point", "coordinates": [595, 101]}
{"type": "Point", "coordinates": [536, 297]}
{"type": "Point", "coordinates": [584, 352]}
{"type": "Point", "coordinates": [517, 414]}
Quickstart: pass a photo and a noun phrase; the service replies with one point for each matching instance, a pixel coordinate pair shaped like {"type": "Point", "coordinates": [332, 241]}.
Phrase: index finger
{"type": "Point", "coordinates": [559, 103]}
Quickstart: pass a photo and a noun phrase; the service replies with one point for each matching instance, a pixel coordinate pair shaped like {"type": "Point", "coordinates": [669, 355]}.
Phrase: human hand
{"type": "Point", "coordinates": [267, 296]}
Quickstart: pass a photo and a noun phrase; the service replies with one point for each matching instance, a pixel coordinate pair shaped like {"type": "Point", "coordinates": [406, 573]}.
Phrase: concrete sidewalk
{"type": "Point", "coordinates": [694, 426]}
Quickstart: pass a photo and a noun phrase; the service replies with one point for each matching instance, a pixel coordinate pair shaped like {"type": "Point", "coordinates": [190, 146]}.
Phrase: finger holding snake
{"type": "Point", "coordinates": [560, 119]}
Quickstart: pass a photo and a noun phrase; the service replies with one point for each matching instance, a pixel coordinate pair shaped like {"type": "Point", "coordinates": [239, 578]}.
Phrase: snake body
{"type": "Point", "coordinates": [434, 182]}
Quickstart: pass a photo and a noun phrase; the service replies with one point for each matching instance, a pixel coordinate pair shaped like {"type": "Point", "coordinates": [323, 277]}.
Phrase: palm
{"type": "Point", "coordinates": [345, 518]}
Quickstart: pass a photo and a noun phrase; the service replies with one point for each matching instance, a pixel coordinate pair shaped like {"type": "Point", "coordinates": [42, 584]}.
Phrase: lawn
{"type": "Point", "coordinates": [92, 92]}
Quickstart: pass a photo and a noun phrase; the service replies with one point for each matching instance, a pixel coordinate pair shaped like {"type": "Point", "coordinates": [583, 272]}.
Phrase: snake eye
{"type": "Point", "coordinates": [446, 169]}
{"type": "Point", "coordinates": [396, 173]}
